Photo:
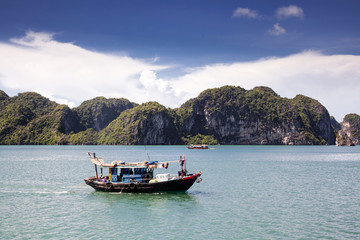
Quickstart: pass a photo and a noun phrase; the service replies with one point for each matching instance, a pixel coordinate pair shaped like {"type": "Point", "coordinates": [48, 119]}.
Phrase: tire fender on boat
{"type": "Point", "coordinates": [109, 186]}
{"type": "Point", "coordinates": [132, 186]}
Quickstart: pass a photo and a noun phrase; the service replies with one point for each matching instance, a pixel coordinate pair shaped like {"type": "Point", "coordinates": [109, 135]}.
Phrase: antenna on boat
{"type": "Point", "coordinates": [147, 153]}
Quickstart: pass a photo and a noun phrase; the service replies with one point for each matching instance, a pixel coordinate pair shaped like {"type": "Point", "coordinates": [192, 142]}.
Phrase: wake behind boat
{"type": "Point", "coordinates": [120, 176]}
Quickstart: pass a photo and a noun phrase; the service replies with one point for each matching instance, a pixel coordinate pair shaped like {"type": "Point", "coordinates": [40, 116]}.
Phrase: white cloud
{"type": "Point", "coordinates": [34, 39]}
{"type": "Point", "coordinates": [277, 30]}
{"type": "Point", "coordinates": [333, 80]}
{"type": "Point", "coordinates": [158, 89]}
{"type": "Point", "coordinates": [70, 74]}
{"type": "Point", "coordinates": [290, 11]}
{"type": "Point", "coordinates": [245, 12]}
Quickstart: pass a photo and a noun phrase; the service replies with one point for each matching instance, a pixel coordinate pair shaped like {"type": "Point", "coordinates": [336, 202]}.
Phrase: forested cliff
{"type": "Point", "coordinates": [226, 115]}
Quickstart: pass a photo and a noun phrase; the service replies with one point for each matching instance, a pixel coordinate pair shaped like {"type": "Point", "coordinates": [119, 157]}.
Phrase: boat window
{"type": "Point", "coordinates": [114, 171]}
{"type": "Point", "coordinates": [139, 170]}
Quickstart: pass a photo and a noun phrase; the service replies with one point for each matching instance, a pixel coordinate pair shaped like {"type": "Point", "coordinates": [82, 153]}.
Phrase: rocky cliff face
{"type": "Point", "coordinates": [226, 115]}
{"type": "Point", "coordinates": [149, 123]}
{"type": "Point", "coordinates": [68, 120]}
{"type": "Point", "coordinates": [99, 112]}
{"type": "Point", "coordinates": [349, 134]}
{"type": "Point", "coordinates": [259, 116]}
{"type": "Point", "coordinates": [335, 124]}
{"type": "Point", "coordinates": [315, 119]}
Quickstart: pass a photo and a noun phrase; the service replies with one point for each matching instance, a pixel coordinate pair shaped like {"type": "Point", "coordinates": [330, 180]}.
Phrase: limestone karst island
{"type": "Point", "coordinates": [226, 115]}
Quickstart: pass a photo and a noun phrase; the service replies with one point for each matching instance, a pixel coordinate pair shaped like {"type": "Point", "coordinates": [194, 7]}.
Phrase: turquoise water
{"type": "Point", "coordinates": [247, 192]}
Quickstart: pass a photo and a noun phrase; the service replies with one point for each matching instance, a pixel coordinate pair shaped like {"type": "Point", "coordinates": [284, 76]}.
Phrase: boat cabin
{"type": "Point", "coordinates": [129, 174]}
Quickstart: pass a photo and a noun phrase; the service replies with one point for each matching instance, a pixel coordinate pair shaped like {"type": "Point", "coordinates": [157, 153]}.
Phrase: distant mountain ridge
{"type": "Point", "coordinates": [226, 115]}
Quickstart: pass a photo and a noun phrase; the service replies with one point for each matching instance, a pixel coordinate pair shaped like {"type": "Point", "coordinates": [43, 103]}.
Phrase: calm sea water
{"type": "Point", "coordinates": [247, 192]}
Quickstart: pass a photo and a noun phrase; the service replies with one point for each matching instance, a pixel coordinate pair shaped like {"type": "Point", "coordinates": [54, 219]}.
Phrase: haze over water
{"type": "Point", "coordinates": [256, 192]}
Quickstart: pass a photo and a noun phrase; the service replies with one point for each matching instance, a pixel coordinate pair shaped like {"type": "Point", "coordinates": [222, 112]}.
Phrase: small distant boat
{"type": "Point", "coordinates": [203, 146]}
{"type": "Point", "coordinates": [139, 177]}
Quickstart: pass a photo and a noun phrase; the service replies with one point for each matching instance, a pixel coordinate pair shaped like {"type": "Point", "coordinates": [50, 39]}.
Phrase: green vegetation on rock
{"type": "Point", "coordinates": [97, 113]}
{"type": "Point", "coordinates": [24, 117]}
{"type": "Point", "coordinates": [354, 120]}
{"type": "Point", "coordinates": [134, 126]}
{"type": "Point", "coordinates": [234, 115]}
{"type": "Point", "coordinates": [226, 115]}
{"type": "Point", "coordinates": [87, 137]}
{"type": "Point", "coordinates": [312, 113]}
{"type": "Point", "coordinates": [3, 96]}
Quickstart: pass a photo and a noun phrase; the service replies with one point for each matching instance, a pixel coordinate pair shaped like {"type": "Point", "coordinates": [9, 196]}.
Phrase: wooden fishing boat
{"type": "Point", "coordinates": [203, 146]}
{"type": "Point", "coordinates": [139, 177]}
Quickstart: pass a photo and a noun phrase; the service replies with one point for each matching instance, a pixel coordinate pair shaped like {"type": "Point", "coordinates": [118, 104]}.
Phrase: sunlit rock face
{"type": "Point", "coordinates": [349, 134]}
{"type": "Point", "coordinates": [258, 116]}
{"type": "Point", "coordinates": [146, 124]}
{"type": "Point", "coordinates": [226, 115]}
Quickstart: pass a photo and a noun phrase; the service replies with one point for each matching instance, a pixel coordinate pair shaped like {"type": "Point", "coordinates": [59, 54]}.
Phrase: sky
{"type": "Point", "coordinates": [170, 51]}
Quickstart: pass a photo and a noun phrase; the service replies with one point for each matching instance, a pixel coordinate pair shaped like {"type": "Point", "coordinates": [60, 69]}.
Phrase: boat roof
{"type": "Point", "coordinates": [118, 164]}
{"type": "Point", "coordinates": [121, 164]}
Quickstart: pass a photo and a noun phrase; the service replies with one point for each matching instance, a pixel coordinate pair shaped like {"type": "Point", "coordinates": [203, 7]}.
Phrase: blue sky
{"type": "Point", "coordinates": [157, 50]}
{"type": "Point", "coordinates": [195, 31]}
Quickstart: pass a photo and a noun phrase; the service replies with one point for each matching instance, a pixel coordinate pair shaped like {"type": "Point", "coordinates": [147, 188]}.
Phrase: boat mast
{"type": "Point", "coordinates": [184, 163]}
{"type": "Point", "coordinates": [93, 156]}
{"type": "Point", "coordinates": [96, 171]}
